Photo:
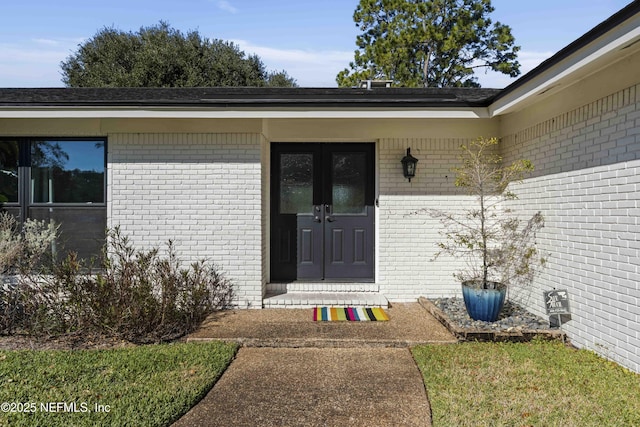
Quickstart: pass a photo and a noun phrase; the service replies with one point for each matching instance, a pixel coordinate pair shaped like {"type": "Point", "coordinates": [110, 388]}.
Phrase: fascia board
{"type": "Point", "coordinates": [85, 113]}
{"type": "Point", "coordinates": [598, 54]}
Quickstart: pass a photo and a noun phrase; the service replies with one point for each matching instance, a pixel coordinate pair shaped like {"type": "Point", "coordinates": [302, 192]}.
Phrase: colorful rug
{"type": "Point", "coordinates": [353, 314]}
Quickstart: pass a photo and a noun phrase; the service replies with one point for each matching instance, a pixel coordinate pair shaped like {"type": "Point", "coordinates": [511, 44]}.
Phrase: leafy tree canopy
{"type": "Point", "coordinates": [161, 56]}
{"type": "Point", "coordinates": [436, 43]}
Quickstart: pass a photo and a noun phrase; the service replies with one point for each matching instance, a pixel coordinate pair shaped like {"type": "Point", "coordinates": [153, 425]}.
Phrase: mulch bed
{"type": "Point", "coordinates": [65, 342]}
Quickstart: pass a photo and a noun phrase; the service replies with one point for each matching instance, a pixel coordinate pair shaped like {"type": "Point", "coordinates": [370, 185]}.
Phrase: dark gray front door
{"type": "Point", "coordinates": [322, 215]}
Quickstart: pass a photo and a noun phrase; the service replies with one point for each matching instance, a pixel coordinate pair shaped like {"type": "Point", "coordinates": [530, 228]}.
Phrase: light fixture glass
{"type": "Point", "coordinates": [409, 164]}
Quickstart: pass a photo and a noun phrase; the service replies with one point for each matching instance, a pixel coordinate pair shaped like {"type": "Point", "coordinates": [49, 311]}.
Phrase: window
{"type": "Point", "coordinates": [61, 180]}
{"type": "Point", "coordinates": [67, 172]}
{"type": "Point", "coordinates": [9, 171]}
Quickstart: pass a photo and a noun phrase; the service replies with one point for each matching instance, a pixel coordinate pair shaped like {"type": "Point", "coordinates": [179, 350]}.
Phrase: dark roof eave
{"type": "Point", "coordinates": [245, 98]}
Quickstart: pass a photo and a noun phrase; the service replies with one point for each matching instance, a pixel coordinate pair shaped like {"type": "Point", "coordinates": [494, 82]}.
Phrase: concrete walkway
{"type": "Point", "coordinates": [292, 371]}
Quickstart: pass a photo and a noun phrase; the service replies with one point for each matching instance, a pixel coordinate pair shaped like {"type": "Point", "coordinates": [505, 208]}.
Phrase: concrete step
{"type": "Point", "coordinates": [322, 287]}
{"type": "Point", "coordinates": [336, 299]}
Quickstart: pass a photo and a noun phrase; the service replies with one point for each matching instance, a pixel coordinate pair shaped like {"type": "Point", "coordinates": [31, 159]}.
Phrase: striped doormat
{"type": "Point", "coordinates": [354, 314]}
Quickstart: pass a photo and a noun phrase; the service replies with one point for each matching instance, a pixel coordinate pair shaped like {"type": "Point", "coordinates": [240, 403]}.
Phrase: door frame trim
{"type": "Point", "coordinates": [268, 147]}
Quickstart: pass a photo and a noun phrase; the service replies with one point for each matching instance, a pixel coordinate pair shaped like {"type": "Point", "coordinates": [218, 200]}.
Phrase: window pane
{"type": "Point", "coordinates": [82, 229]}
{"type": "Point", "coordinates": [67, 172]}
{"type": "Point", "coordinates": [296, 183]}
{"type": "Point", "coordinates": [349, 172]}
{"type": "Point", "coordinates": [9, 171]}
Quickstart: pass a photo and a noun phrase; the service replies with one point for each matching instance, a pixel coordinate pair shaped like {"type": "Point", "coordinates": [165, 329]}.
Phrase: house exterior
{"type": "Point", "coordinates": [299, 196]}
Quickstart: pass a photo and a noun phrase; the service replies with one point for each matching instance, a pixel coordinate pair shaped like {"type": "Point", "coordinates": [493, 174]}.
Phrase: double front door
{"type": "Point", "coordinates": [322, 211]}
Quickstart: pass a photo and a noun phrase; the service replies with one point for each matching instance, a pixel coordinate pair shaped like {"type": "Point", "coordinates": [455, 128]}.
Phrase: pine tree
{"type": "Point", "coordinates": [429, 43]}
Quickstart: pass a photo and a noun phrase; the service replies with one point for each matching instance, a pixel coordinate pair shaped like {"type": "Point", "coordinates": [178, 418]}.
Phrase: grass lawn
{"type": "Point", "coordinates": [534, 384]}
{"type": "Point", "coordinates": [146, 386]}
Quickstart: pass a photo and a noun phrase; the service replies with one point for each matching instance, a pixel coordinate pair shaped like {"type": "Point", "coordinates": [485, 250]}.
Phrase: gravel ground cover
{"type": "Point", "coordinates": [512, 317]}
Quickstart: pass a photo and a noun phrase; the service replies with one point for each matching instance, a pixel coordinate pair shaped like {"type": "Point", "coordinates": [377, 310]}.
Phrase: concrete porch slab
{"type": "Point", "coordinates": [410, 324]}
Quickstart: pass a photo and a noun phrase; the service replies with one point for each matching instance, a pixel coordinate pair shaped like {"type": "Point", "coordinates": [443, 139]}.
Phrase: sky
{"type": "Point", "coordinates": [311, 40]}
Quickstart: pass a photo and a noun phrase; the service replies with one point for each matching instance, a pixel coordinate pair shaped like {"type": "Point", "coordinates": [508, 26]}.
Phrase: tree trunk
{"type": "Point", "coordinates": [485, 267]}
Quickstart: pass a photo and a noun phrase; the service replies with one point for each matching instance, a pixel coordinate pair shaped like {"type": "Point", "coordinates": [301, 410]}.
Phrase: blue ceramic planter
{"type": "Point", "coordinates": [483, 304]}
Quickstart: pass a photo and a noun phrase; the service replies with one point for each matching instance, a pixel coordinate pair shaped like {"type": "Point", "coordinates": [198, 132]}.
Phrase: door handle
{"type": "Point", "coordinates": [317, 218]}
{"type": "Point", "coordinates": [328, 209]}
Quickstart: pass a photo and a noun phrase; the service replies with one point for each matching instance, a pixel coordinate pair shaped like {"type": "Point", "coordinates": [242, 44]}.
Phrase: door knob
{"type": "Point", "coordinates": [317, 219]}
{"type": "Point", "coordinates": [329, 218]}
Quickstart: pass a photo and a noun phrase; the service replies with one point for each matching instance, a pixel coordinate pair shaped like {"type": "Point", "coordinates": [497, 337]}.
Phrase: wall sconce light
{"type": "Point", "coordinates": [409, 165]}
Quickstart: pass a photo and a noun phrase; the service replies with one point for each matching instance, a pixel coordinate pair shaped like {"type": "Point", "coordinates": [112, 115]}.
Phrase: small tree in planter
{"type": "Point", "coordinates": [498, 248]}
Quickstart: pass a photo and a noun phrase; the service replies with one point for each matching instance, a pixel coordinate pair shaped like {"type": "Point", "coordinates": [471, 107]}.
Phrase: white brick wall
{"type": "Point", "coordinates": [407, 241]}
{"type": "Point", "coordinates": [203, 191]}
{"type": "Point", "coordinates": [587, 185]}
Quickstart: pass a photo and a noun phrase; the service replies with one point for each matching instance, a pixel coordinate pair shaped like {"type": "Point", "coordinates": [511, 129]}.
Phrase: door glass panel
{"type": "Point", "coordinates": [296, 183]}
{"type": "Point", "coordinates": [349, 182]}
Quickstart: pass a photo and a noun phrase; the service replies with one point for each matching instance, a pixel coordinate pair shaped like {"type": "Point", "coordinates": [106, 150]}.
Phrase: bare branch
{"type": "Point", "coordinates": [494, 244]}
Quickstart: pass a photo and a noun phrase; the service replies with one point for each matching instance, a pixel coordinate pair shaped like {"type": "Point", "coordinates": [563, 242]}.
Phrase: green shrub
{"type": "Point", "coordinates": [10, 242]}
{"type": "Point", "coordinates": [22, 249]}
{"type": "Point", "coordinates": [131, 294]}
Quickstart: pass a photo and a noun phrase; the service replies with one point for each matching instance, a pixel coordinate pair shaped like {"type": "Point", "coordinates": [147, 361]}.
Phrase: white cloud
{"type": "Point", "coordinates": [48, 42]}
{"type": "Point", "coordinates": [35, 63]}
{"type": "Point", "coordinates": [309, 68]}
{"type": "Point", "coordinates": [227, 7]}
